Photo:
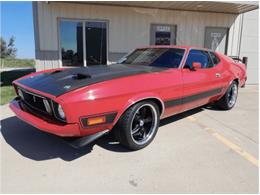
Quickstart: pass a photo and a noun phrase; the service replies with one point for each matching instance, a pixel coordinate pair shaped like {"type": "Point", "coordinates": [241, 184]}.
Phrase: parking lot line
{"type": "Point", "coordinates": [227, 142]}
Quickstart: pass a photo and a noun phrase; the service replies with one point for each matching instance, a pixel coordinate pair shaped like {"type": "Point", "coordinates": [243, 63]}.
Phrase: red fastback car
{"type": "Point", "coordinates": [129, 97]}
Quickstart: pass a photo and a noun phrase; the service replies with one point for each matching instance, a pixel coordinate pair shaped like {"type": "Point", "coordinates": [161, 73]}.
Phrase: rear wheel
{"type": "Point", "coordinates": [228, 101]}
{"type": "Point", "coordinates": [138, 125]}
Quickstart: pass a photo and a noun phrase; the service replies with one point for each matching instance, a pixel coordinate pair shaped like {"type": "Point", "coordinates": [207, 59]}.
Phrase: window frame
{"type": "Point", "coordinates": [59, 40]}
{"type": "Point", "coordinates": [83, 21]}
{"type": "Point", "coordinates": [152, 32]}
{"type": "Point", "coordinates": [219, 27]}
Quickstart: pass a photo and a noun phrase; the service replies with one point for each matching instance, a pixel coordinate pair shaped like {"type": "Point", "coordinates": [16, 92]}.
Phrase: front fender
{"type": "Point", "coordinates": [137, 98]}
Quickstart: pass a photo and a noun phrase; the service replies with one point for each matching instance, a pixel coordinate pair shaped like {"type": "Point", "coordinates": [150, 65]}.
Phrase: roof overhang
{"type": "Point", "coordinates": [230, 7]}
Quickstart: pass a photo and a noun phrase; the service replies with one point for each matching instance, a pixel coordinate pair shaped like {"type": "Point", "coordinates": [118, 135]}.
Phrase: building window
{"type": "Point", "coordinates": [162, 34]}
{"type": "Point", "coordinates": [83, 43]}
{"type": "Point", "coordinates": [216, 39]}
{"type": "Point", "coordinates": [96, 43]}
{"type": "Point", "coordinates": [71, 43]}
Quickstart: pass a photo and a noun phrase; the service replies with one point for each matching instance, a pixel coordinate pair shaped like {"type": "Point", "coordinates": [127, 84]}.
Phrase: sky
{"type": "Point", "coordinates": [17, 21]}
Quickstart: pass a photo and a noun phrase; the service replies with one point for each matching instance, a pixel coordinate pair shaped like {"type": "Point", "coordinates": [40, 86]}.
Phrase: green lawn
{"type": "Point", "coordinates": [6, 90]}
{"type": "Point", "coordinates": [17, 63]}
{"type": "Point", "coordinates": [7, 94]}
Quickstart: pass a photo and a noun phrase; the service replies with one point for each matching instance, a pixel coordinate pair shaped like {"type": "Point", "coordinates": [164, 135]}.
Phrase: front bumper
{"type": "Point", "coordinates": [63, 130]}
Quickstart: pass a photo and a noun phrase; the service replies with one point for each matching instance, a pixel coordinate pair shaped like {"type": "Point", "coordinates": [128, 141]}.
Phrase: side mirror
{"type": "Point", "coordinates": [196, 65]}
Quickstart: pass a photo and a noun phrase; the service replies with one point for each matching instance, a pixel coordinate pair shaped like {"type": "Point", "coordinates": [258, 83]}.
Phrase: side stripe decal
{"type": "Point", "coordinates": [191, 98]}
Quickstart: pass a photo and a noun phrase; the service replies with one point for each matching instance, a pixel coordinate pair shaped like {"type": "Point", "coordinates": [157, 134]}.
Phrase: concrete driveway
{"type": "Point", "coordinates": [201, 151]}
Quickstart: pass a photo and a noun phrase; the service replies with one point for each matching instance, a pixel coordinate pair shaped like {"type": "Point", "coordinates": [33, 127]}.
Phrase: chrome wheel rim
{"type": "Point", "coordinates": [143, 124]}
{"type": "Point", "coordinates": [232, 95]}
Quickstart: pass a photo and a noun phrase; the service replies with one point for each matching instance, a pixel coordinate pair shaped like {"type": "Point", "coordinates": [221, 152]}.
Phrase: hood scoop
{"type": "Point", "coordinates": [80, 76]}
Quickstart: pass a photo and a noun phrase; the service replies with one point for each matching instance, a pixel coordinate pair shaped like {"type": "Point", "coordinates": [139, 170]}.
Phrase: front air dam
{"type": "Point", "coordinates": [83, 141]}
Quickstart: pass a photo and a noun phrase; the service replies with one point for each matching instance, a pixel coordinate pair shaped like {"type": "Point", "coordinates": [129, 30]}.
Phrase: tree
{"type": "Point", "coordinates": [8, 50]}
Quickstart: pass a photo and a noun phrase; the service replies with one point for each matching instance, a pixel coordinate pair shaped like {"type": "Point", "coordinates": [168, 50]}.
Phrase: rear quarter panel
{"type": "Point", "coordinates": [233, 70]}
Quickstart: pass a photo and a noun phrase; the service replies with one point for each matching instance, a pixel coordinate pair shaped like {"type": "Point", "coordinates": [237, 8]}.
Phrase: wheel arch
{"type": "Point", "coordinates": [157, 101]}
{"type": "Point", "coordinates": [136, 100]}
{"type": "Point", "coordinates": [237, 81]}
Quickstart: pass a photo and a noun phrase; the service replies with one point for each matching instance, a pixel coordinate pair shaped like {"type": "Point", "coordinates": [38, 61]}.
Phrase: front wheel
{"type": "Point", "coordinates": [228, 101]}
{"type": "Point", "coordinates": [138, 125]}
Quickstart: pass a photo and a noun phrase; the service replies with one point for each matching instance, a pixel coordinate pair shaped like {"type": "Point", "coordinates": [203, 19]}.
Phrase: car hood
{"type": "Point", "coordinates": [65, 80]}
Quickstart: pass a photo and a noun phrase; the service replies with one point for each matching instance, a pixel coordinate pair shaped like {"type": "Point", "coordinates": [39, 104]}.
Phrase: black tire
{"type": "Point", "coordinates": [228, 101]}
{"type": "Point", "coordinates": [134, 116]}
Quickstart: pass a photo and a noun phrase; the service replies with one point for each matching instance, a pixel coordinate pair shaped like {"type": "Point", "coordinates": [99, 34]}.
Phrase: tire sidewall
{"type": "Point", "coordinates": [129, 138]}
{"type": "Point", "coordinates": [226, 95]}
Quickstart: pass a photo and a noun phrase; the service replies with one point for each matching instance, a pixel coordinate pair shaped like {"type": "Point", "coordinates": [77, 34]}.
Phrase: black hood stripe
{"type": "Point", "coordinates": [60, 82]}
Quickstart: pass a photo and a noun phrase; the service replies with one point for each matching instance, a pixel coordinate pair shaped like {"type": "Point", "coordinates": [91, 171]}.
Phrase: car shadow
{"type": "Point", "coordinates": [37, 145]}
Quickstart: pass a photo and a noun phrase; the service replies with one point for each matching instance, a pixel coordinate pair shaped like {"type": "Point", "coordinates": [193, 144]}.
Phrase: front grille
{"type": "Point", "coordinates": [47, 117]}
{"type": "Point", "coordinates": [39, 105]}
{"type": "Point", "coordinates": [34, 101]}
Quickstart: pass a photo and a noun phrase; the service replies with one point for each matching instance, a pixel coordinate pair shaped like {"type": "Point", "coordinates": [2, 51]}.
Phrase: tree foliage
{"type": "Point", "coordinates": [8, 50]}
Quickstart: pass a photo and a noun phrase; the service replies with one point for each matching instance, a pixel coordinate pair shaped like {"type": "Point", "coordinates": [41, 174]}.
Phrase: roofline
{"type": "Point", "coordinates": [174, 46]}
{"type": "Point", "coordinates": [106, 3]}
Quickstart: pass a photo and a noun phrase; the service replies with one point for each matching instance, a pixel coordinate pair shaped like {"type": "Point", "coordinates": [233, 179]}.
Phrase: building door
{"type": "Point", "coordinates": [83, 43]}
{"type": "Point", "coordinates": [163, 34]}
{"type": "Point", "coordinates": [216, 38]}
{"type": "Point", "coordinates": [71, 43]}
{"type": "Point", "coordinates": [96, 43]}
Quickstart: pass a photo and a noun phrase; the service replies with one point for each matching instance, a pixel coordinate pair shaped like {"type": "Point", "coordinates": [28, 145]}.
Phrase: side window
{"type": "Point", "coordinates": [198, 56]}
{"type": "Point", "coordinates": [214, 58]}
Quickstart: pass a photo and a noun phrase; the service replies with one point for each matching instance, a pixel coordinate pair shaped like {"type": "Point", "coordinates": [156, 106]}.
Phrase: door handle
{"type": "Point", "coordinates": [218, 75]}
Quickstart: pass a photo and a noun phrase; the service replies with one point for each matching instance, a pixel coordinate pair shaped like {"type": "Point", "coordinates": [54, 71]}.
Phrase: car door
{"type": "Point", "coordinates": [202, 84]}
{"type": "Point", "coordinates": [170, 79]}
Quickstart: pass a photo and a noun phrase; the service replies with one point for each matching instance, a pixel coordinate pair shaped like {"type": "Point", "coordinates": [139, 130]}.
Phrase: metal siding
{"type": "Point", "coordinates": [36, 26]}
{"type": "Point", "coordinates": [249, 45]}
{"type": "Point", "coordinates": [235, 36]}
{"type": "Point", "coordinates": [128, 27]}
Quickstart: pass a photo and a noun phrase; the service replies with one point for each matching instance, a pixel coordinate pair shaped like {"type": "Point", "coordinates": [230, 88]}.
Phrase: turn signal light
{"type": "Point", "coordinates": [96, 120]}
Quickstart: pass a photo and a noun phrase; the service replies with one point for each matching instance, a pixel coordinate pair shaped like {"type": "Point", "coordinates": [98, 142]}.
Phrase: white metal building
{"type": "Point", "coordinates": [87, 33]}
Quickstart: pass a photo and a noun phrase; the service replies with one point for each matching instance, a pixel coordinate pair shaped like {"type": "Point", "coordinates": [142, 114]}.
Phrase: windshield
{"type": "Point", "coordinates": [159, 57]}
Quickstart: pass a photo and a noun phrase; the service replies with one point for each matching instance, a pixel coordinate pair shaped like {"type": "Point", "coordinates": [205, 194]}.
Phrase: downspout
{"type": "Point", "coordinates": [241, 31]}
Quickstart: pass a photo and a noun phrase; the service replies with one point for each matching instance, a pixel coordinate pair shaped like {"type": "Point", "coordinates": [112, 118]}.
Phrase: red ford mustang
{"type": "Point", "coordinates": [129, 97]}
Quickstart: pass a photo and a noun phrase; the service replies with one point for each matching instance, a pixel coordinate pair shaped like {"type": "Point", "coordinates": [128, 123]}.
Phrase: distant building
{"type": "Point", "coordinates": [87, 33]}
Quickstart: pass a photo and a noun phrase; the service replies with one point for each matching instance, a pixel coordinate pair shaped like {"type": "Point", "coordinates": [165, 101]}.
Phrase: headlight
{"type": "Point", "coordinates": [61, 112]}
{"type": "Point", "coordinates": [20, 93]}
